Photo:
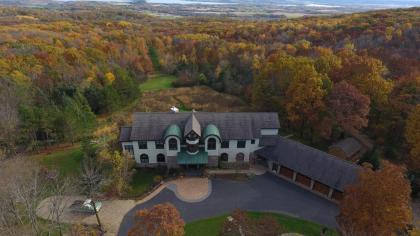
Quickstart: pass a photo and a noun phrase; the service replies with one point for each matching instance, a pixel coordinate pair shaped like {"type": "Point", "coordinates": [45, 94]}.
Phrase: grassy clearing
{"type": "Point", "coordinates": [199, 98]}
{"type": "Point", "coordinates": [66, 161]}
{"type": "Point", "coordinates": [157, 82]}
{"type": "Point", "coordinates": [212, 226]}
{"type": "Point", "coordinates": [142, 182]}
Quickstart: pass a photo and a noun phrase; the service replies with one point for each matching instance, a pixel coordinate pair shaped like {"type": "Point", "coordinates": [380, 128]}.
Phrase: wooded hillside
{"type": "Point", "coordinates": [326, 76]}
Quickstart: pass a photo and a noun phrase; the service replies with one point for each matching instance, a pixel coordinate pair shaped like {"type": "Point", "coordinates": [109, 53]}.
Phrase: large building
{"type": "Point", "coordinates": [196, 138]}
{"type": "Point", "coordinates": [193, 139]}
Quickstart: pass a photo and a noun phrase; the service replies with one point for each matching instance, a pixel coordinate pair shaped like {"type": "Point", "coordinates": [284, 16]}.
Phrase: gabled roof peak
{"type": "Point", "coordinates": [192, 125]}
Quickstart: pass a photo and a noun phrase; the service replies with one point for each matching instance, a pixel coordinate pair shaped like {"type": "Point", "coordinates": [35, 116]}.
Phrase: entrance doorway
{"type": "Point", "coordinates": [193, 170]}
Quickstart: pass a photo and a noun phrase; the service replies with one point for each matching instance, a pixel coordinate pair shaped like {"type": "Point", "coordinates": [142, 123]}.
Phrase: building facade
{"type": "Point", "coordinates": [196, 138]}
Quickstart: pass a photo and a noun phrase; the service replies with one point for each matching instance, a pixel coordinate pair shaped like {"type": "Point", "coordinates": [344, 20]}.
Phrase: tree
{"type": "Point", "coordinates": [377, 204]}
{"type": "Point", "coordinates": [162, 219]}
{"type": "Point", "coordinates": [59, 188]}
{"type": "Point", "coordinates": [91, 176]}
{"type": "Point", "coordinates": [239, 223]}
{"type": "Point", "coordinates": [412, 135]}
{"type": "Point", "coordinates": [366, 73]}
{"type": "Point", "coordinates": [21, 190]}
{"type": "Point", "coordinates": [304, 97]}
{"type": "Point", "coordinates": [349, 106]}
{"type": "Point", "coordinates": [8, 117]}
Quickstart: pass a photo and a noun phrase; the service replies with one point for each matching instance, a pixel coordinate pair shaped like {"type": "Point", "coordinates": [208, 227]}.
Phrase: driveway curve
{"type": "Point", "coordinates": [262, 193]}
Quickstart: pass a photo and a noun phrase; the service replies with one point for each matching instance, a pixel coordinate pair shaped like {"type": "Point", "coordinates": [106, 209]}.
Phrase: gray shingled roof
{"type": "Point", "coordinates": [232, 125]}
{"type": "Point", "coordinates": [311, 162]}
{"type": "Point", "coordinates": [125, 134]}
{"type": "Point", "coordinates": [349, 146]}
{"type": "Point", "coordinates": [192, 125]}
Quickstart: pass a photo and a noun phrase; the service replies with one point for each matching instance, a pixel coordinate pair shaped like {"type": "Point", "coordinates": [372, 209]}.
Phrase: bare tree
{"type": "Point", "coordinates": [21, 189]}
{"type": "Point", "coordinates": [90, 179]}
{"type": "Point", "coordinates": [59, 189]}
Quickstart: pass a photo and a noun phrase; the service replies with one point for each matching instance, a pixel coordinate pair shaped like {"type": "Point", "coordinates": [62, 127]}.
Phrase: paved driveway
{"type": "Point", "coordinates": [262, 193]}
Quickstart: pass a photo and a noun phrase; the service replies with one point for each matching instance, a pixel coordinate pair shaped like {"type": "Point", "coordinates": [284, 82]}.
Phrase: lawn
{"type": "Point", "coordinates": [66, 161]}
{"type": "Point", "coordinates": [212, 226]}
{"type": "Point", "coordinates": [157, 82]}
{"type": "Point", "coordinates": [142, 182]}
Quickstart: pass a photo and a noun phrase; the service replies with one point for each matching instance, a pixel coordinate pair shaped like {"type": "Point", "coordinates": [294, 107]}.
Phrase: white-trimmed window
{"type": "Point", "coordinates": [240, 157]}
{"type": "Point", "coordinates": [241, 144]}
{"type": "Point", "coordinates": [173, 144]}
{"type": "Point", "coordinates": [160, 158]}
{"type": "Point", "coordinates": [211, 144]}
{"type": "Point", "coordinates": [129, 148]}
{"type": "Point", "coordinates": [142, 144]}
{"type": "Point", "coordinates": [144, 159]}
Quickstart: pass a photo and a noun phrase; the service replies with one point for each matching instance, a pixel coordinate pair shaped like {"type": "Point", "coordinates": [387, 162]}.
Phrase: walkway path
{"type": "Point", "coordinates": [113, 211]}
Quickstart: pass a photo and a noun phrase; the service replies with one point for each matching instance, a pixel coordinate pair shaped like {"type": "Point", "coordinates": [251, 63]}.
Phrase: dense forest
{"type": "Point", "coordinates": [326, 76]}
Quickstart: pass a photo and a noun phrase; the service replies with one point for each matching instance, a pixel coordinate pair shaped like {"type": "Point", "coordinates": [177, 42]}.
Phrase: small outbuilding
{"type": "Point", "coordinates": [347, 149]}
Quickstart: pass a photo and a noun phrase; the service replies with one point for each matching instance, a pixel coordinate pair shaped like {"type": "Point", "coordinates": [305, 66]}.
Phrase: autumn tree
{"type": "Point", "coordinates": [366, 73]}
{"type": "Point", "coordinates": [349, 107]}
{"type": "Point", "coordinates": [377, 204]}
{"type": "Point", "coordinates": [304, 96]}
{"type": "Point", "coordinates": [162, 219]}
{"type": "Point", "coordinates": [412, 135]}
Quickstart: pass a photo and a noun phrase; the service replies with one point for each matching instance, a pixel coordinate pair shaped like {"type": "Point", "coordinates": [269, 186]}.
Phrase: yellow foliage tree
{"type": "Point", "coordinates": [109, 78]}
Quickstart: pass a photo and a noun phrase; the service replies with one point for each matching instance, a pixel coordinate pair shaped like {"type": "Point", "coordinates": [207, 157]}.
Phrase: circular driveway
{"type": "Point", "coordinates": [262, 193]}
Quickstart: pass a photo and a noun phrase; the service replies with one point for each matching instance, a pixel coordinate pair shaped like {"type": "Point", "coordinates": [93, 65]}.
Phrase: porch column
{"type": "Point", "coordinates": [331, 192]}
{"type": "Point", "coordinates": [312, 184]}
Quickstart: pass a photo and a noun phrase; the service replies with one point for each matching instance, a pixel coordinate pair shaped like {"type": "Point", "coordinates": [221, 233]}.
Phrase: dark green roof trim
{"type": "Point", "coordinates": [173, 130]}
{"type": "Point", "coordinates": [212, 130]}
{"type": "Point", "coordinates": [184, 158]}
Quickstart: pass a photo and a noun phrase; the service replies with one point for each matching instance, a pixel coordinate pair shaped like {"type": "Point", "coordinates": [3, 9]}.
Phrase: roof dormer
{"type": "Point", "coordinates": [192, 127]}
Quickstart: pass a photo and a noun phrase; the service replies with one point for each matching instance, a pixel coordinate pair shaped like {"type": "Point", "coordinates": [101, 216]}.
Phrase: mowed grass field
{"type": "Point", "coordinates": [66, 160]}
{"type": "Point", "coordinates": [157, 82]}
{"type": "Point", "coordinates": [212, 226]}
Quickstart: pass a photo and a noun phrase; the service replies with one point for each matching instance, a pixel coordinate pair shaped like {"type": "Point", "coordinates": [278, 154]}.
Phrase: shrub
{"type": "Point", "coordinates": [157, 179]}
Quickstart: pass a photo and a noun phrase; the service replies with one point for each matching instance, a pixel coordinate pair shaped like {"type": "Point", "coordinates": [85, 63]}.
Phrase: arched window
{"type": "Point", "coordinates": [240, 157]}
{"type": "Point", "coordinates": [211, 144]}
{"type": "Point", "coordinates": [144, 158]}
{"type": "Point", "coordinates": [224, 157]}
{"type": "Point", "coordinates": [173, 144]}
{"type": "Point", "coordinates": [160, 157]}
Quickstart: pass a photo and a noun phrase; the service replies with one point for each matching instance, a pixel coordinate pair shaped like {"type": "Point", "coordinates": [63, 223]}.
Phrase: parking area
{"type": "Point", "coordinates": [262, 193]}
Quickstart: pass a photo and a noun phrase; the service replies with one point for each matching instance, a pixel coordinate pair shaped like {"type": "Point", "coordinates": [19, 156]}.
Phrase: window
{"type": "Point", "coordinates": [160, 157]}
{"type": "Point", "coordinates": [241, 144]}
{"type": "Point", "coordinates": [275, 167]}
{"type": "Point", "coordinates": [173, 144]}
{"type": "Point", "coordinates": [240, 157]}
{"type": "Point", "coordinates": [224, 157]}
{"type": "Point", "coordinates": [159, 145]}
{"type": "Point", "coordinates": [192, 136]}
{"type": "Point", "coordinates": [142, 144]}
{"type": "Point", "coordinates": [225, 144]}
{"type": "Point", "coordinates": [252, 141]}
{"type": "Point", "coordinates": [129, 149]}
{"type": "Point", "coordinates": [144, 159]}
{"type": "Point", "coordinates": [192, 148]}
{"type": "Point", "coordinates": [211, 144]}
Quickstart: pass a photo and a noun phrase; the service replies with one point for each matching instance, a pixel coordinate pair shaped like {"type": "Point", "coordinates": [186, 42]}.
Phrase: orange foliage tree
{"type": "Point", "coordinates": [378, 204]}
{"type": "Point", "coordinates": [161, 219]}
